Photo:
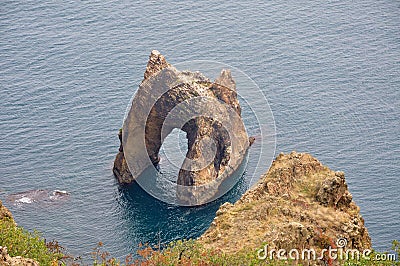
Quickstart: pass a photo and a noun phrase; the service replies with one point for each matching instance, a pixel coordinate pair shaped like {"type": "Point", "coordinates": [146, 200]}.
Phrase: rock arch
{"type": "Point", "coordinates": [208, 112]}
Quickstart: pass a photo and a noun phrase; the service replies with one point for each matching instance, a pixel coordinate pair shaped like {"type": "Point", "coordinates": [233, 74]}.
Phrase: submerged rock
{"type": "Point", "coordinates": [298, 204]}
{"type": "Point", "coordinates": [40, 196]}
{"type": "Point", "coordinates": [208, 112]}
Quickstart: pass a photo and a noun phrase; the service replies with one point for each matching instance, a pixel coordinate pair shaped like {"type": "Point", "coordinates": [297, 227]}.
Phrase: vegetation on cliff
{"type": "Point", "coordinates": [191, 252]}
{"type": "Point", "coordinates": [298, 204]}
{"type": "Point", "coordinates": [16, 241]}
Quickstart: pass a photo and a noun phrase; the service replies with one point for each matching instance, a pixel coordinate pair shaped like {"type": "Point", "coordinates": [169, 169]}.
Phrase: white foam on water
{"type": "Point", "coordinates": [24, 200]}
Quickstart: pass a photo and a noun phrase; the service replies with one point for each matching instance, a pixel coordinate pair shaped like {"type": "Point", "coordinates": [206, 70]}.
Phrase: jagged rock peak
{"type": "Point", "coordinates": [299, 203]}
{"type": "Point", "coordinates": [207, 111]}
{"type": "Point", "coordinates": [156, 62]}
{"type": "Point", "coordinates": [226, 79]}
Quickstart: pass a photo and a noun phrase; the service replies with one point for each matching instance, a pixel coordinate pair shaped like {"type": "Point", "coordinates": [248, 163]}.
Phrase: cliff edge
{"type": "Point", "coordinates": [5, 213]}
{"type": "Point", "coordinates": [299, 203]}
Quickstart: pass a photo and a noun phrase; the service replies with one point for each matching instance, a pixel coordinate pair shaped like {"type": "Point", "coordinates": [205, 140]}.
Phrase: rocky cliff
{"type": "Point", "coordinates": [5, 213]}
{"type": "Point", "coordinates": [298, 204]}
{"type": "Point", "coordinates": [7, 260]}
{"type": "Point", "coordinates": [208, 112]}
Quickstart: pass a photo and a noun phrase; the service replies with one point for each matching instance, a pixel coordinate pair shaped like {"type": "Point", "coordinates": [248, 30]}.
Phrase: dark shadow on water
{"type": "Point", "coordinates": [146, 219]}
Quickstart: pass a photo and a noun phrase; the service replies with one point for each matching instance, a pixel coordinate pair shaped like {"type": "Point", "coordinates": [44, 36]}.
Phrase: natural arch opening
{"type": "Point", "coordinates": [173, 152]}
{"type": "Point", "coordinates": [208, 112]}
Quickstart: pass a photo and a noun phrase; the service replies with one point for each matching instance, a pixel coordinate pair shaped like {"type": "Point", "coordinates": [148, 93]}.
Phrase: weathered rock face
{"type": "Point", "coordinates": [298, 204]}
{"type": "Point", "coordinates": [209, 113]}
{"type": "Point", "coordinates": [5, 213]}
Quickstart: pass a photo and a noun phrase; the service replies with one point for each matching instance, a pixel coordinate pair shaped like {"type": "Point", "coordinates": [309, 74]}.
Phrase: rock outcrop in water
{"type": "Point", "coordinates": [39, 196]}
{"type": "Point", "coordinates": [299, 204]}
{"type": "Point", "coordinates": [208, 112]}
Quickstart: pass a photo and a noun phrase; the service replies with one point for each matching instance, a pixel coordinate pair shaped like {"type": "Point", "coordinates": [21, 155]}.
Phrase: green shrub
{"type": "Point", "coordinates": [20, 242]}
{"type": "Point", "coordinates": [192, 253]}
{"type": "Point", "coordinates": [182, 252]}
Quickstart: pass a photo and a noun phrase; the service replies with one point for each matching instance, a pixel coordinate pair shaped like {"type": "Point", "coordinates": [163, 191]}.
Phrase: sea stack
{"type": "Point", "coordinates": [207, 111]}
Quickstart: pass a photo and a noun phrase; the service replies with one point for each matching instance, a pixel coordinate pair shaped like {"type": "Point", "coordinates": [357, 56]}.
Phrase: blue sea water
{"type": "Point", "coordinates": [330, 70]}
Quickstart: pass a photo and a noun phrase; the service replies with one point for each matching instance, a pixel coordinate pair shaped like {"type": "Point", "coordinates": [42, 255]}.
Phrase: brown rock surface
{"type": "Point", "coordinates": [209, 113]}
{"type": "Point", "coordinates": [7, 260]}
{"type": "Point", "coordinates": [299, 203]}
{"type": "Point", "coordinates": [5, 213]}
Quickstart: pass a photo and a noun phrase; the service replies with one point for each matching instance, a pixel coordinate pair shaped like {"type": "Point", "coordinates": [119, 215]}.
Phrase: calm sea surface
{"type": "Point", "coordinates": [330, 70]}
